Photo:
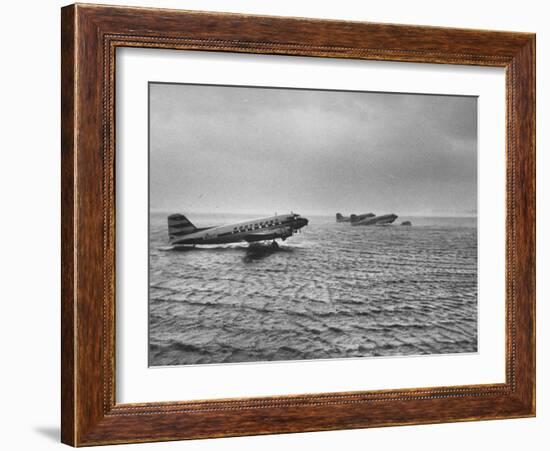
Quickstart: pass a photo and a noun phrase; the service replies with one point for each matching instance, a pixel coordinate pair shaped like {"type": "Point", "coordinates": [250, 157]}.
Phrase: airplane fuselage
{"type": "Point", "coordinates": [261, 229]}
{"type": "Point", "coordinates": [376, 220]}
{"type": "Point", "coordinates": [353, 217]}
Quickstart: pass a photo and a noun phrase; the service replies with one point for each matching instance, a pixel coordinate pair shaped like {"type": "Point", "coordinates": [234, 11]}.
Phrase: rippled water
{"type": "Point", "coordinates": [333, 291]}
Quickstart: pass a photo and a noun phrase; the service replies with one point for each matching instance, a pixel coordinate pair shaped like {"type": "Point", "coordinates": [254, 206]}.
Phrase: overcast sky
{"type": "Point", "coordinates": [261, 150]}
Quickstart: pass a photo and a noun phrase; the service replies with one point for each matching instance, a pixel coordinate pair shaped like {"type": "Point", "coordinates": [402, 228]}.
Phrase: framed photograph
{"type": "Point", "coordinates": [278, 225]}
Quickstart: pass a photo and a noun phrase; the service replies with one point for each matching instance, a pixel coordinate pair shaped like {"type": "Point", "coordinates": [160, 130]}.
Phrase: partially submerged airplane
{"type": "Point", "coordinates": [366, 219]}
{"type": "Point", "coordinates": [182, 233]}
{"type": "Point", "coordinates": [375, 220]}
{"type": "Point", "coordinates": [352, 217]}
{"type": "Point", "coordinates": [356, 218]}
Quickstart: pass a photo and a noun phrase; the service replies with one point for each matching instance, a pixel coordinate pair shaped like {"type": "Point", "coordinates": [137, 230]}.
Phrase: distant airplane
{"type": "Point", "coordinates": [375, 220]}
{"type": "Point", "coordinates": [353, 218]}
{"type": "Point", "coordinates": [357, 218]}
{"type": "Point", "coordinates": [181, 232]}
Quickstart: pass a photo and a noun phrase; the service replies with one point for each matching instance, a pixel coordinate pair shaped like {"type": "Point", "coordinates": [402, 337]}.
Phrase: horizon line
{"type": "Point", "coordinates": [310, 213]}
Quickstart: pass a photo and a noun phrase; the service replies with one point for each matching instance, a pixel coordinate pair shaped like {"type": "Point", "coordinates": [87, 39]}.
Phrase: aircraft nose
{"type": "Point", "coordinates": [302, 222]}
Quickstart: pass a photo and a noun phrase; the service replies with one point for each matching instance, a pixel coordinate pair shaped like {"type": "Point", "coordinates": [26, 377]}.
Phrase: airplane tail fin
{"type": "Point", "coordinates": [178, 226]}
{"type": "Point", "coordinates": [338, 215]}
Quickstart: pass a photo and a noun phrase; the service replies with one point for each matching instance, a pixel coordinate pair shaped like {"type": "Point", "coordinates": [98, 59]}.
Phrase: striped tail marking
{"type": "Point", "coordinates": [179, 226]}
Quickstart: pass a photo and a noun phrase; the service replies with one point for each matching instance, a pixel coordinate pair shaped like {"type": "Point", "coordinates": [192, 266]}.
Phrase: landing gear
{"type": "Point", "coordinates": [274, 245]}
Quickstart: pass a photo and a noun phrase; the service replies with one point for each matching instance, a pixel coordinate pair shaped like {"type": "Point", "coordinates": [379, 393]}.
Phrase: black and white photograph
{"type": "Point", "coordinates": [275, 225]}
{"type": "Point", "coordinates": [293, 224]}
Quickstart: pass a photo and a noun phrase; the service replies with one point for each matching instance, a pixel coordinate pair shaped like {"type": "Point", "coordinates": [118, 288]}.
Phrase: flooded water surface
{"type": "Point", "coordinates": [332, 291]}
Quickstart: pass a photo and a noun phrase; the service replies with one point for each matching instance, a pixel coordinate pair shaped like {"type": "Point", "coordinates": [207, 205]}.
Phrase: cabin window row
{"type": "Point", "coordinates": [260, 225]}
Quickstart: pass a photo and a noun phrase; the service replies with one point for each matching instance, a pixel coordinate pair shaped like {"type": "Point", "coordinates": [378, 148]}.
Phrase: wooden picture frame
{"type": "Point", "coordinates": [90, 35]}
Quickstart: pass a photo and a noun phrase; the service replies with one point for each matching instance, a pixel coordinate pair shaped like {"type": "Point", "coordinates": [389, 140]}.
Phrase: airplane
{"type": "Point", "coordinates": [376, 220]}
{"type": "Point", "coordinates": [357, 218]}
{"type": "Point", "coordinates": [183, 233]}
{"type": "Point", "coordinates": [353, 218]}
